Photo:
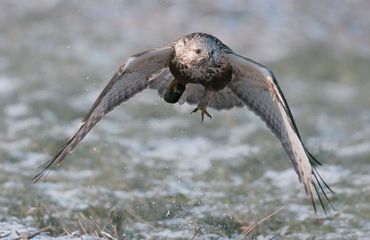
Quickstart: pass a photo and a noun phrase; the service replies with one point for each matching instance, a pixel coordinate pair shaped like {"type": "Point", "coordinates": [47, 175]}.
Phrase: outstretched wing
{"type": "Point", "coordinates": [257, 87]}
{"type": "Point", "coordinates": [131, 78]}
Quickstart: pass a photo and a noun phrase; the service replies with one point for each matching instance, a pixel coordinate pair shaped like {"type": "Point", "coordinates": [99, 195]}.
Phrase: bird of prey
{"type": "Point", "coordinates": [199, 69]}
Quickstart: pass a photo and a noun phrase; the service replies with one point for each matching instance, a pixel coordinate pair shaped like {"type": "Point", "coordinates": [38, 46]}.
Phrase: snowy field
{"type": "Point", "coordinates": [151, 170]}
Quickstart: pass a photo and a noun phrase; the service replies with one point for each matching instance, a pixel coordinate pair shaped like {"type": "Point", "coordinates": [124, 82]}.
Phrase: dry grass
{"type": "Point", "coordinates": [246, 230]}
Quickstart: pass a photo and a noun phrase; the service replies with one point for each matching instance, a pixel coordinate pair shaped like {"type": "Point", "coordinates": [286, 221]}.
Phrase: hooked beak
{"type": "Point", "coordinates": [199, 62]}
{"type": "Point", "coordinates": [202, 61]}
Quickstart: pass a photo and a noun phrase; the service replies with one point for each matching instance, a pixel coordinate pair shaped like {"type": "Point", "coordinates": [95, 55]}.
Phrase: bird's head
{"type": "Point", "coordinates": [197, 50]}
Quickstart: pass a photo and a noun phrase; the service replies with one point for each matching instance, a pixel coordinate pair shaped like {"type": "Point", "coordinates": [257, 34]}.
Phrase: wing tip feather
{"type": "Point", "coordinates": [320, 192]}
{"type": "Point", "coordinates": [56, 160]}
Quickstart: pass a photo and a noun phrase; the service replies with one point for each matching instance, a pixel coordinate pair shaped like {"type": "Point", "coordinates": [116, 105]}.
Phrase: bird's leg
{"type": "Point", "coordinates": [203, 111]}
{"type": "Point", "coordinates": [174, 91]}
{"type": "Point", "coordinates": [202, 105]}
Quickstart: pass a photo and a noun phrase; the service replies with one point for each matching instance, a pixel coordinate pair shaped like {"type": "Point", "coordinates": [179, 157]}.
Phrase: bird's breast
{"type": "Point", "coordinates": [214, 77]}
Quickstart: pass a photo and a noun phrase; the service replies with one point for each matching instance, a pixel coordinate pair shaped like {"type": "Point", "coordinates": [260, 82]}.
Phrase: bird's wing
{"type": "Point", "coordinates": [131, 78]}
{"type": "Point", "coordinates": [161, 81]}
{"type": "Point", "coordinates": [257, 87]}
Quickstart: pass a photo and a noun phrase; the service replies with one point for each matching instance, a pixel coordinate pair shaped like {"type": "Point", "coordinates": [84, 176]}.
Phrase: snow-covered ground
{"type": "Point", "coordinates": [151, 170]}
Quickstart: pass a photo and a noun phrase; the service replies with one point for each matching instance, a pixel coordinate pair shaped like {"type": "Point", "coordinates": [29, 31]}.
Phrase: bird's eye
{"type": "Point", "coordinates": [198, 51]}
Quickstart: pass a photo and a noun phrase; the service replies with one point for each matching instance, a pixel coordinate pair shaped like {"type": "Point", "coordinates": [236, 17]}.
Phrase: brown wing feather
{"type": "Point", "coordinates": [161, 81]}
{"type": "Point", "coordinates": [257, 87]}
{"type": "Point", "coordinates": [131, 78]}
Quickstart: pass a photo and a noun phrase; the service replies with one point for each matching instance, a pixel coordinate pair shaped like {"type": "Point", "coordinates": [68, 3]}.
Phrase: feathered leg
{"type": "Point", "coordinates": [202, 105]}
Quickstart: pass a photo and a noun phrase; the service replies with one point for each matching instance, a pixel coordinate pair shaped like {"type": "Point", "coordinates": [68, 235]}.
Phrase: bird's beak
{"type": "Point", "coordinates": [202, 61]}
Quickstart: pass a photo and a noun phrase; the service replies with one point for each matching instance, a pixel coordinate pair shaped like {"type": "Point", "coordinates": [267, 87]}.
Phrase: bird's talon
{"type": "Point", "coordinates": [207, 113]}
{"type": "Point", "coordinates": [202, 113]}
{"type": "Point", "coordinates": [195, 110]}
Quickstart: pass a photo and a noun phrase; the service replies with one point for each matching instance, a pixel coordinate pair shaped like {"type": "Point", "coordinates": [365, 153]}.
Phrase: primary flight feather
{"type": "Point", "coordinates": [199, 69]}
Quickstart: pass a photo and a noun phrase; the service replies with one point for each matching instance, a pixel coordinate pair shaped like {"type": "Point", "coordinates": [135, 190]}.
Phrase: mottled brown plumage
{"type": "Point", "coordinates": [199, 69]}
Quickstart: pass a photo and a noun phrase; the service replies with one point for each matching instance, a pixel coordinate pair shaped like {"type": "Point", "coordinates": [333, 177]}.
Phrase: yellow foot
{"type": "Point", "coordinates": [203, 111]}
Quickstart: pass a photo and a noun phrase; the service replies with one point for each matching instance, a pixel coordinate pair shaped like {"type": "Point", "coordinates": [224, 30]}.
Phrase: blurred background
{"type": "Point", "coordinates": [151, 170]}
